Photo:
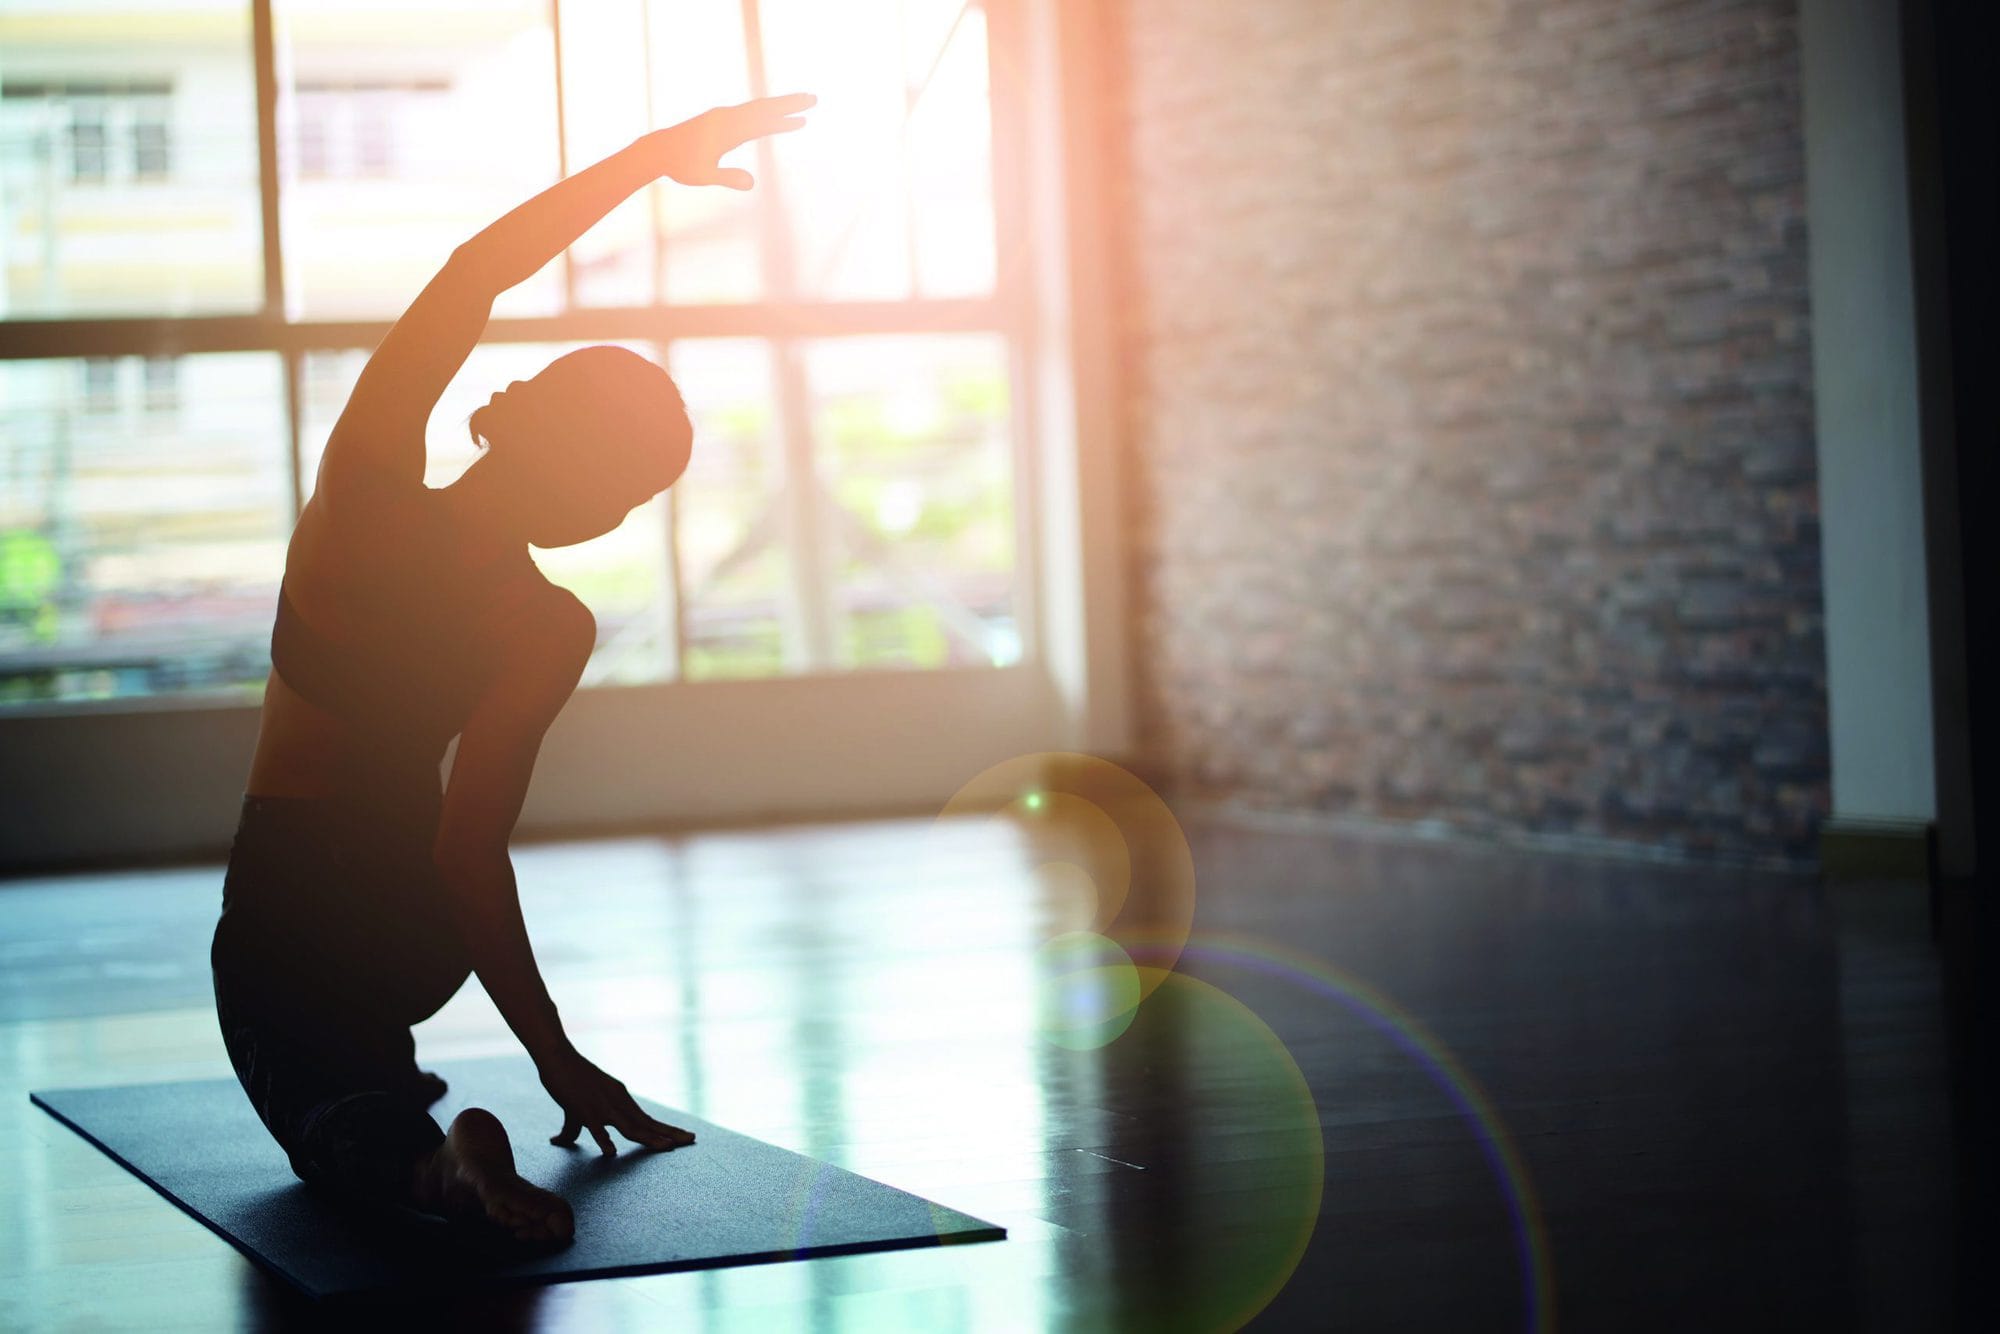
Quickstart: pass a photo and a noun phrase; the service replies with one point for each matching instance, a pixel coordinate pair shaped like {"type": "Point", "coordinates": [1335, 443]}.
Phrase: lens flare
{"type": "Point", "coordinates": [1081, 849]}
{"type": "Point", "coordinates": [1116, 878]}
{"type": "Point", "coordinates": [1429, 1052]}
{"type": "Point", "coordinates": [1246, 1143]}
{"type": "Point", "coordinates": [1124, 871]}
{"type": "Point", "coordinates": [1069, 895]}
{"type": "Point", "coordinates": [1089, 990]}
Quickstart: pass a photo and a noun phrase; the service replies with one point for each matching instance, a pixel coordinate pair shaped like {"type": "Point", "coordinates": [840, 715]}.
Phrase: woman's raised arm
{"type": "Point", "coordinates": [380, 435]}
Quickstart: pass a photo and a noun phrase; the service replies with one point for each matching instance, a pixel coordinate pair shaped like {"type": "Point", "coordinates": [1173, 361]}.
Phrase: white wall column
{"type": "Point", "coordinates": [1865, 400]}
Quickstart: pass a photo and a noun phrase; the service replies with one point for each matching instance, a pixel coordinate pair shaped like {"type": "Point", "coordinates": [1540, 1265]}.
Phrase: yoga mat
{"type": "Point", "coordinates": [728, 1199]}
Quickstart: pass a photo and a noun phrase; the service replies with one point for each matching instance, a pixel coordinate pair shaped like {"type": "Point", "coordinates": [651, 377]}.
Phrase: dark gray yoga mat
{"type": "Point", "coordinates": [727, 1200]}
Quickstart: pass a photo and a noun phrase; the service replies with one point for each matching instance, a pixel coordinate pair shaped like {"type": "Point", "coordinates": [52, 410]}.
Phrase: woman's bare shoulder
{"type": "Point", "coordinates": [371, 527]}
{"type": "Point", "coordinates": [532, 615]}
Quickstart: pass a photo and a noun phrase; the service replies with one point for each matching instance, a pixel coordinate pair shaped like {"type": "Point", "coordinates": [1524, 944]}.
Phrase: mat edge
{"type": "Point", "coordinates": [35, 1097]}
{"type": "Point", "coordinates": [987, 1231]}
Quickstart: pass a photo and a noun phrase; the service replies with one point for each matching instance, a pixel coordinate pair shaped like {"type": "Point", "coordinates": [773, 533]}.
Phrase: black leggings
{"type": "Point", "coordinates": [335, 937]}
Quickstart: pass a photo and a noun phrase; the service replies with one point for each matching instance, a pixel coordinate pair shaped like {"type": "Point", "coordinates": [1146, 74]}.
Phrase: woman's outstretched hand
{"type": "Point", "coordinates": [692, 150]}
{"type": "Point", "coordinates": [593, 1100]}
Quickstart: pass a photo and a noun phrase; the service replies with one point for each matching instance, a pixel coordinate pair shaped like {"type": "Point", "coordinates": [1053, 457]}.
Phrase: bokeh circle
{"type": "Point", "coordinates": [1088, 990]}
{"type": "Point", "coordinates": [1110, 857]}
{"type": "Point", "coordinates": [1247, 1153]}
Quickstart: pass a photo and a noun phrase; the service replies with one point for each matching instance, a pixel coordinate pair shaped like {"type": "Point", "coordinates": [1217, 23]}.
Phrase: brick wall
{"type": "Point", "coordinates": [1469, 414]}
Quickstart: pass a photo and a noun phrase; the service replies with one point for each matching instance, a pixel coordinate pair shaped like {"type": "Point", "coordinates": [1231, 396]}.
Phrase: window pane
{"type": "Point", "coordinates": [671, 242]}
{"type": "Point", "coordinates": [889, 193]}
{"type": "Point", "coordinates": [621, 576]}
{"type": "Point", "coordinates": [604, 109]}
{"type": "Point", "coordinates": [729, 517]}
{"type": "Point", "coordinates": [406, 128]}
{"type": "Point", "coordinates": [128, 160]}
{"type": "Point", "coordinates": [713, 243]}
{"type": "Point", "coordinates": [142, 534]}
{"type": "Point", "coordinates": [951, 154]}
{"type": "Point", "coordinates": [911, 439]}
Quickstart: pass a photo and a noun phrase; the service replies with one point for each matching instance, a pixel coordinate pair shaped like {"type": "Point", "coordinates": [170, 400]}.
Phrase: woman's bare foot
{"type": "Point", "coordinates": [471, 1176]}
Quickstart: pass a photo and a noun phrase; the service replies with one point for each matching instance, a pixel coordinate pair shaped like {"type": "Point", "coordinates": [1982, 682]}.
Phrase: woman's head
{"type": "Point", "coordinates": [594, 433]}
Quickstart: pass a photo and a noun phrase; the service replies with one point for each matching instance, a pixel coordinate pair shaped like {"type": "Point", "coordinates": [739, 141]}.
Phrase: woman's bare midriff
{"type": "Point", "coordinates": [302, 750]}
{"type": "Point", "coordinates": [300, 747]}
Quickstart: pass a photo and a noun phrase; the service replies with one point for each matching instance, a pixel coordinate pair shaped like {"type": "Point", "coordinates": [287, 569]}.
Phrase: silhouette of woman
{"type": "Point", "coordinates": [362, 891]}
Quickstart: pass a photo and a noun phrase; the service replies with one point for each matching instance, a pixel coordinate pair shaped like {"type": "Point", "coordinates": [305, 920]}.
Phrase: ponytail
{"type": "Point", "coordinates": [479, 424]}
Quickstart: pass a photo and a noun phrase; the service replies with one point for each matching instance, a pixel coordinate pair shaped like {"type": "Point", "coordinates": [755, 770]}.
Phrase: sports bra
{"type": "Point", "coordinates": [408, 681]}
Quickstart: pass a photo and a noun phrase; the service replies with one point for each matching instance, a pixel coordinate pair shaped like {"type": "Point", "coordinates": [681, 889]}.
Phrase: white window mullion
{"type": "Point", "coordinates": [809, 607]}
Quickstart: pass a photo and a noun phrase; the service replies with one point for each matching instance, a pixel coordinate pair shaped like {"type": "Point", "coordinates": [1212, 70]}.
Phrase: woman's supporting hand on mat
{"type": "Point", "coordinates": [592, 1100]}
{"type": "Point", "coordinates": [690, 152]}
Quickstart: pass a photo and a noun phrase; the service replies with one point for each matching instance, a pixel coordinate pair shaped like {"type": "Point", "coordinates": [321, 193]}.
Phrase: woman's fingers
{"type": "Point", "coordinates": [675, 1135]}
{"type": "Point", "coordinates": [768, 115]}
{"type": "Point", "coordinates": [611, 1106]}
{"type": "Point", "coordinates": [663, 1135]}
{"type": "Point", "coordinates": [636, 1129]}
{"type": "Point", "coordinates": [785, 104]}
{"type": "Point", "coordinates": [704, 140]}
{"type": "Point", "coordinates": [636, 1125]}
{"type": "Point", "coordinates": [574, 1125]}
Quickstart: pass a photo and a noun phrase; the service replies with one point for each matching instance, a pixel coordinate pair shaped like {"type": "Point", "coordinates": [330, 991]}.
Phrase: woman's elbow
{"type": "Point", "coordinates": [470, 272]}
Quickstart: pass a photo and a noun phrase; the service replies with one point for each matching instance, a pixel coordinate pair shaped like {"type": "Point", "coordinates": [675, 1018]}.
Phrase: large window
{"type": "Point", "coordinates": [210, 210]}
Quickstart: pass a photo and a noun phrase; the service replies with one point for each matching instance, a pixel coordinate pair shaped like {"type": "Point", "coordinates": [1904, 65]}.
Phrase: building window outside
{"type": "Point", "coordinates": [100, 384]}
{"type": "Point", "coordinates": [152, 146]}
{"type": "Point", "coordinates": [162, 381]}
{"type": "Point", "coordinates": [108, 131]}
{"type": "Point", "coordinates": [353, 131]}
{"type": "Point", "coordinates": [89, 162]}
{"type": "Point", "coordinates": [128, 171]}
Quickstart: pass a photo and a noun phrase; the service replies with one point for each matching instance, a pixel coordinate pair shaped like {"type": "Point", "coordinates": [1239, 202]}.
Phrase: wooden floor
{"type": "Point", "coordinates": [1440, 1088]}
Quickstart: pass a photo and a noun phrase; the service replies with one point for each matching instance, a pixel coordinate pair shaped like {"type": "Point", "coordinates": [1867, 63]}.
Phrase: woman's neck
{"type": "Point", "coordinates": [476, 508]}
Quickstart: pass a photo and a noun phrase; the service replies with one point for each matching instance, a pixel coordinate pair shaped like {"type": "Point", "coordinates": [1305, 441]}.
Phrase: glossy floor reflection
{"type": "Point", "coordinates": [1458, 1089]}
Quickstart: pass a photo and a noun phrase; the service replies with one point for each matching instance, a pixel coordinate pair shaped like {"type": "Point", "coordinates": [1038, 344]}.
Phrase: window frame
{"type": "Point", "coordinates": [782, 321]}
{"type": "Point", "coordinates": [638, 759]}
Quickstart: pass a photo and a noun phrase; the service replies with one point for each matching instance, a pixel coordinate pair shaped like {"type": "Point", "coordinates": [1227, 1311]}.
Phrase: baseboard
{"type": "Point", "coordinates": [1440, 831]}
{"type": "Point", "coordinates": [1859, 849]}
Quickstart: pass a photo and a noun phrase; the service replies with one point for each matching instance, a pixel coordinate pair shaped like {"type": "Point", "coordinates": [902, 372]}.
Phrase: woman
{"type": "Point", "coordinates": [360, 892]}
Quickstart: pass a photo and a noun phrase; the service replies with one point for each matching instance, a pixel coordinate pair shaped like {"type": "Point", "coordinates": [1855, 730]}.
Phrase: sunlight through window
{"type": "Point", "coordinates": [841, 334]}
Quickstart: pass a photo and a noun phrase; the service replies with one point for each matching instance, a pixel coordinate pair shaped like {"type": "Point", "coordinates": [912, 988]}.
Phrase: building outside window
{"type": "Point", "coordinates": [162, 383]}
{"type": "Point", "coordinates": [152, 142]}
{"type": "Point", "coordinates": [90, 131]}
{"type": "Point", "coordinates": [354, 131]}
{"type": "Point", "coordinates": [89, 162]}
